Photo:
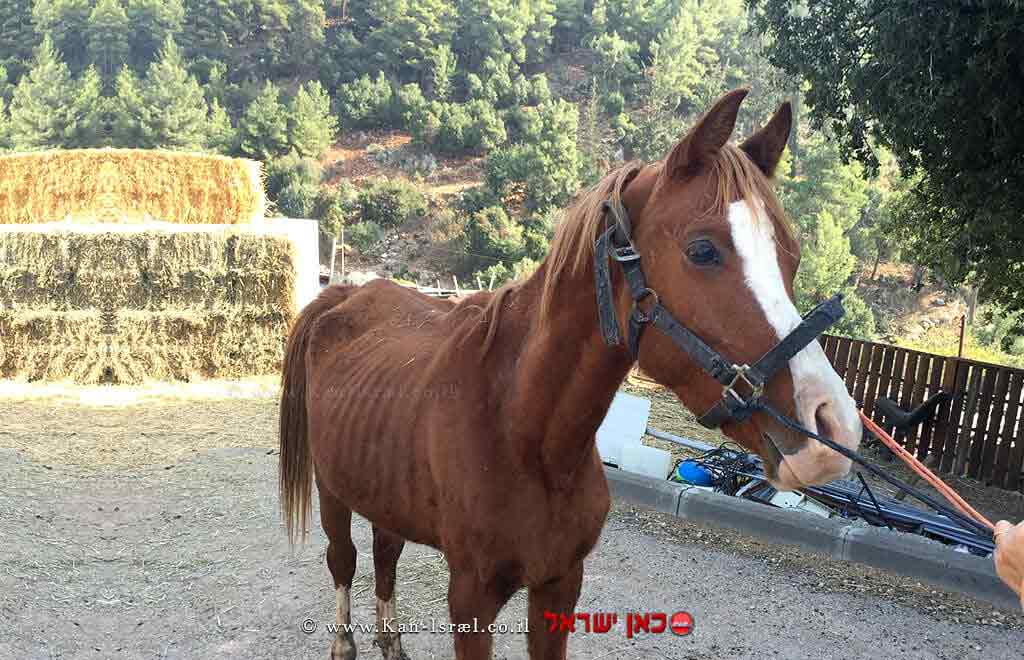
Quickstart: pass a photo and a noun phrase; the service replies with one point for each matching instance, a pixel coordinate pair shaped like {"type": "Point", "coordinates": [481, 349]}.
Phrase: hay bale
{"type": "Point", "coordinates": [129, 185]}
{"type": "Point", "coordinates": [134, 305]}
{"type": "Point", "coordinates": [154, 269]}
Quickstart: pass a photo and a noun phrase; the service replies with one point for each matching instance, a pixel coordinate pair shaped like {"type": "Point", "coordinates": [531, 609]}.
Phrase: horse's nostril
{"type": "Point", "coordinates": [825, 420]}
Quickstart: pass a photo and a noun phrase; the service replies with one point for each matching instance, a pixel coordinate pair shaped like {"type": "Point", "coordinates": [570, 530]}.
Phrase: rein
{"type": "Point", "coordinates": [616, 244]}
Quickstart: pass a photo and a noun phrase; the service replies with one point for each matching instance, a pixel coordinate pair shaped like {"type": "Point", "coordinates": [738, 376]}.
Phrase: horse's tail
{"type": "Point", "coordinates": [296, 465]}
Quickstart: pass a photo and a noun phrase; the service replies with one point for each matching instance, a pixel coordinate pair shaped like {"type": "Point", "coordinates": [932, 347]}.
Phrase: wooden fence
{"type": "Point", "coordinates": [977, 433]}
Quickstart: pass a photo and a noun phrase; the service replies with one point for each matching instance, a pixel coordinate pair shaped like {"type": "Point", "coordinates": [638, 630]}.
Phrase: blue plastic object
{"type": "Point", "coordinates": [692, 473]}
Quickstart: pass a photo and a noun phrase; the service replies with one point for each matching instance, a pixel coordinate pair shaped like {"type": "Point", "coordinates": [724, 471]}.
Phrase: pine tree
{"type": "Point", "coordinates": [152, 21]}
{"type": "Point", "coordinates": [221, 136]}
{"type": "Point", "coordinates": [67, 23]}
{"type": "Point", "coordinates": [106, 36]}
{"type": "Point", "coordinates": [311, 126]}
{"type": "Point", "coordinates": [263, 128]}
{"type": "Point", "coordinates": [17, 36]}
{"type": "Point", "coordinates": [39, 117]}
{"type": "Point", "coordinates": [171, 111]}
{"type": "Point", "coordinates": [5, 126]}
{"type": "Point", "coordinates": [126, 110]}
{"type": "Point", "coordinates": [86, 113]}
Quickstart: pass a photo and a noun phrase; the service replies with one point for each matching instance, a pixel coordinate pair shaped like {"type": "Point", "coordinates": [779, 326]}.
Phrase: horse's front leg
{"type": "Point", "coordinates": [558, 598]}
{"type": "Point", "coordinates": [473, 606]}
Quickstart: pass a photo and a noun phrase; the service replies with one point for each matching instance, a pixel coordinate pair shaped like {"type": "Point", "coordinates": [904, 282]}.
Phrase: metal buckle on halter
{"type": "Point", "coordinates": [625, 253]}
{"type": "Point", "coordinates": [756, 389]}
{"type": "Point", "coordinates": [640, 315]}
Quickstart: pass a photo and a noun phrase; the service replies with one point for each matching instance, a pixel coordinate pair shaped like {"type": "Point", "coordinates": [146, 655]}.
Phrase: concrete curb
{"type": "Point", "coordinates": [904, 554]}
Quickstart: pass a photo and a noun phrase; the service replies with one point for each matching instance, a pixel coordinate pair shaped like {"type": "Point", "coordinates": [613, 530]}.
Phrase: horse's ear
{"type": "Point", "coordinates": [706, 138]}
{"type": "Point", "coordinates": [765, 147]}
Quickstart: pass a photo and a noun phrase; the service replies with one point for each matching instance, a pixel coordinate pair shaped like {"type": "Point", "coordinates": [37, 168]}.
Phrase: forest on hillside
{"type": "Point", "coordinates": [546, 95]}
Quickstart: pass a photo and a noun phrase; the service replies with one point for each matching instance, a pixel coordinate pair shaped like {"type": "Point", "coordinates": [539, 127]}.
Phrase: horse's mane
{"type": "Point", "coordinates": [572, 250]}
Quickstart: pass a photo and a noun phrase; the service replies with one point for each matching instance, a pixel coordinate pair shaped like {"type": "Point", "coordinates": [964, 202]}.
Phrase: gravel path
{"type": "Point", "coordinates": [189, 560]}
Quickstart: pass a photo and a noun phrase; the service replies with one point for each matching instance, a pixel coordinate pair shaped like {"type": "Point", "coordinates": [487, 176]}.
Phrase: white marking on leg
{"type": "Point", "coordinates": [388, 638]}
{"type": "Point", "coordinates": [343, 647]}
{"type": "Point", "coordinates": [343, 611]}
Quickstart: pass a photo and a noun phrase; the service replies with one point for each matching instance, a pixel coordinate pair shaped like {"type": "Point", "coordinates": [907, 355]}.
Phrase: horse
{"type": "Point", "coordinates": [470, 426]}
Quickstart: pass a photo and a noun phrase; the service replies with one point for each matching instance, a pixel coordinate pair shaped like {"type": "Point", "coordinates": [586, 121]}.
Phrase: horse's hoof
{"type": "Point", "coordinates": [343, 648]}
{"type": "Point", "coordinates": [390, 647]}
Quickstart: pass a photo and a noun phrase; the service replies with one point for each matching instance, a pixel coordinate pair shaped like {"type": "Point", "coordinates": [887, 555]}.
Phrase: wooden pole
{"type": "Point", "coordinates": [455, 280]}
{"type": "Point", "coordinates": [334, 253]}
{"type": "Point", "coordinates": [490, 285]}
{"type": "Point", "coordinates": [963, 323]}
{"type": "Point", "coordinates": [343, 251]}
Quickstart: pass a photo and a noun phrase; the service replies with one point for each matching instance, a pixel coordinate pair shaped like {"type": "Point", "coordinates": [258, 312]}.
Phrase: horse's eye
{"type": "Point", "coordinates": [702, 253]}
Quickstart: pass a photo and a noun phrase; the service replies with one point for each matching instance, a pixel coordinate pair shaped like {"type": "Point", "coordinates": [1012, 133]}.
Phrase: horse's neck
{"type": "Point", "coordinates": [566, 377]}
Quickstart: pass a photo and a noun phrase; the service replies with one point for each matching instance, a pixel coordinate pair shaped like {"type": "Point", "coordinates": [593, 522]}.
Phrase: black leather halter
{"type": "Point", "coordinates": [617, 243]}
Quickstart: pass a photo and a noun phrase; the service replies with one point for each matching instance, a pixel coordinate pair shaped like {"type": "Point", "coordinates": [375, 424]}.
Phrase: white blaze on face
{"type": "Point", "coordinates": [819, 393]}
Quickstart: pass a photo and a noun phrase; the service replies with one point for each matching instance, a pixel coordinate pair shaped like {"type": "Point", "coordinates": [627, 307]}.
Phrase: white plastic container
{"type": "Point", "coordinates": [624, 425]}
{"type": "Point", "coordinates": [648, 461]}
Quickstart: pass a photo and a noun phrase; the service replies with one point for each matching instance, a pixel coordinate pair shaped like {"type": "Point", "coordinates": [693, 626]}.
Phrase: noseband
{"type": "Point", "coordinates": [617, 243]}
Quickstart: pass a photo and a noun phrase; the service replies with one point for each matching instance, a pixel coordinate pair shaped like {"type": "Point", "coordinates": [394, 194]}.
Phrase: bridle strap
{"type": "Point", "coordinates": [616, 243]}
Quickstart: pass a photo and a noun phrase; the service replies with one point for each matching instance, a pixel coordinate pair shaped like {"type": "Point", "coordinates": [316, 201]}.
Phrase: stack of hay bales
{"type": "Point", "coordinates": [100, 303]}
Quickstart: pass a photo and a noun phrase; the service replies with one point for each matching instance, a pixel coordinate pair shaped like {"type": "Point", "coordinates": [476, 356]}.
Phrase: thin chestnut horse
{"type": "Point", "coordinates": [470, 427]}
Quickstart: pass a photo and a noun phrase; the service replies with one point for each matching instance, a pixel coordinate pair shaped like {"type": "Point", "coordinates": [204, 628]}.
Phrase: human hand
{"type": "Point", "coordinates": [1009, 556]}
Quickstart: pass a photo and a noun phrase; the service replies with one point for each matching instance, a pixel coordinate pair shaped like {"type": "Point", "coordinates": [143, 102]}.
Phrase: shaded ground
{"type": "Point", "coordinates": [171, 550]}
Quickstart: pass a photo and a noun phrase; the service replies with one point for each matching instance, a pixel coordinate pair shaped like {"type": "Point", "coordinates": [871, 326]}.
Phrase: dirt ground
{"type": "Point", "coordinates": [150, 530]}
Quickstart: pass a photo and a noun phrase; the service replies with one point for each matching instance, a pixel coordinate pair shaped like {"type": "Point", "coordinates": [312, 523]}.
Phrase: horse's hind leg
{"type": "Point", "coordinates": [341, 560]}
{"type": "Point", "coordinates": [387, 548]}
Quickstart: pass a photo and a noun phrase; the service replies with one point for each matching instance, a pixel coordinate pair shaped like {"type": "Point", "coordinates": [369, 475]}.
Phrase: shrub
{"type": "Point", "coordinates": [539, 90]}
{"type": "Point", "coordinates": [363, 235]}
{"type": "Point", "coordinates": [453, 124]}
{"type": "Point", "coordinates": [409, 103]}
{"type": "Point", "coordinates": [297, 200]}
{"type": "Point", "coordinates": [472, 127]}
{"type": "Point", "coordinates": [366, 102]}
{"type": "Point", "coordinates": [614, 104]}
{"type": "Point", "coordinates": [289, 170]}
{"type": "Point", "coordinates": [492, 233]}
{"type": "Point", "coordinates": [390, 203]}
{"type": "Point", "coordinates": [487, 130]}
{"type": "Point", "coordinates": [333, 206]}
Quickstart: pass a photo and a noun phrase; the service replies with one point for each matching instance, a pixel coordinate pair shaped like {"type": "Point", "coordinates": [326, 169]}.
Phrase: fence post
{"type": "Point", "coordinates": [943, 441]}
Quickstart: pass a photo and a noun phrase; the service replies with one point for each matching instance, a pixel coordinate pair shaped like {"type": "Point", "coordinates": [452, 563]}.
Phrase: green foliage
{"type": "Point", "coordinates": [66, 23]}
{"type": "Point", "coordinates": [363, 235]}
{"type": "Point", "coordinates": [291, 170]}
{"type": "Point", "coordinates": [167, 110]}
{"type": "Point", "coordinates": [263, 128]}
{"type": "Point", "coordinates": [311, 126]}
{"type": "Point", "coordinates": [50, 109]}
{"type": "Point", "coordinates": [152, 22]}
{"type": "Point", "coordinates": [491, 28]}
{"type": "Point", "coordinates": [543, 169]}
{"type": "Point", "coordinates": [366, 102]}
{"type": "Point", "coordinates": [403, 37]}
{"type": "Point", "coordinates": [17, 36]}
{"type": "Point", "coordinates": [459, 128]}
{"type": "Point", "coordinates": [107, 36]}
{"type": "Point", "coordinates": [333, 206]}
{"type": "Point", "coordinates": [950, 108]}
{"type": "Point", "coordinates": [492, 233]}
{"type": "Point", "coordinates": [390, 203]}
{"type": "Point", "coordinates": [297, 200]}
{"type": "Point", "coordinates": [221, 136]}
